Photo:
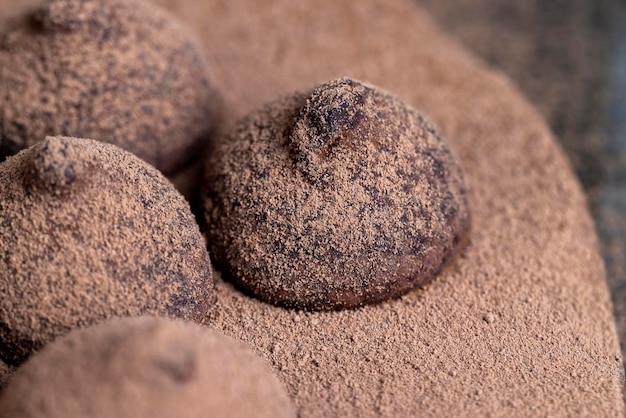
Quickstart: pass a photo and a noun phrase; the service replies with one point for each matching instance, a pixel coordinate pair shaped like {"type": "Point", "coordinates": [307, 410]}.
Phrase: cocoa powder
{"type": "Point", "coordinates": [333, 198]}
{"type": "Point", "coordinates": [122, 72]}
{"type": "Point", "coordinates": [88, 232]}
{"type": "Point", "coordinates": [521, 324]}
{"type": "Point", "coordinates": [145, 368]}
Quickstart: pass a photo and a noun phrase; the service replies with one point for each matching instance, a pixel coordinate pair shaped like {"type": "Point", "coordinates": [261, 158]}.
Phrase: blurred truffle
{"type": "Point", "coordinates": [145, 368]}
{"type": "Point", "coordinates": [5, 374]}
{"type": "Point", "coordinates": [334, 198]}
{"type": "Point", "coordinates": [87, 232]}
{"type": "Point", "coordinates": [118, 71]}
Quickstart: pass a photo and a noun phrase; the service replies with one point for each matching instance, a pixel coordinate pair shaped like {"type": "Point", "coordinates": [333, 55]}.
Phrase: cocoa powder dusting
{"type": "Point", "coordinates": [6, 372]}
{"type": "Point", "coordinates": [145, 368]}
{"type": "Point", "coordinates": [333, 198]}
{"type": "Point", "coordinates": [88, 232]}
{"type": "Point", "coordinates": [532, 267]}
{"type": "Point", "coordinates": [521, 323]}
{"type": "Point", "coordinates": [119, 71]}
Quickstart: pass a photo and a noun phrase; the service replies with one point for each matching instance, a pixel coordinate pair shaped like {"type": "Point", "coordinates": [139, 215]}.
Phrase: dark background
{"type": "Point", "coordinates": [569, 58]}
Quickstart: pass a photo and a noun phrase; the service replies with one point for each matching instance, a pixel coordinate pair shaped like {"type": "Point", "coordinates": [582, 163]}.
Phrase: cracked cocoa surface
{"type": "Point", "coordinates": [334, 198]}
{"type": "Point", "coordinates": [88, 232]}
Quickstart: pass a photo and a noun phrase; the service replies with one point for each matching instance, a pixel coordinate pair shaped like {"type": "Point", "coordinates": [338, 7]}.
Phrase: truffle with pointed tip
{"type": "Point", "coordinates": [334, 198]}
{"type": "Point", "coordinates": [145, 368]}
{"type": "Point", "coordinates": [87, 232]}
{"type": "Point", "coordinates": [118, 71]}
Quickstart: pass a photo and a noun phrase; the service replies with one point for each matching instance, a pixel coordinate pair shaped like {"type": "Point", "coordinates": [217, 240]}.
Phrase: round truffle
{"type": "Point", "coordinates": [145, 368]}
{"type": "Point", "coordinates": [118, 71]}
{"type": "Point", "coordinates": [334, 198]}
{"type": "Point", "coordinates": [87, 232]}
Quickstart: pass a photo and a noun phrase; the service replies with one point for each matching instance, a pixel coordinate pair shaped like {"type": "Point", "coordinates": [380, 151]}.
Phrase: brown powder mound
{"type": "Point", "coordinates": [145, 368]}
{"type": "Point", "coordinates": [88, 232]}
{"type": "Point", "coordinates": [334, 198]}
{"type": "Point", "coordinates": [119, 71]}
{"type": "Point", "coordinates": [521, 324]}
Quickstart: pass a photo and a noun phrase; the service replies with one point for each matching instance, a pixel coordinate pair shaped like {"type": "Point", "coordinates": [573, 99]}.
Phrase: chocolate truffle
{"type": "Point", "coordinates": [87, 232]}
{"type": "Point", "coordinates": [145, 368]}
{"type": "Point", "coordinates": [334, 198]}
{"type": "Point", "coordinates": [5, 374]}
{"type": "Point", "coordinates": [119, 71]}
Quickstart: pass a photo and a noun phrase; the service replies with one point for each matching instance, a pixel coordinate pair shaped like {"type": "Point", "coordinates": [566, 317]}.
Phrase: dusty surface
{"type": "Point", "coordinates": [514, 326]}
{"type": "Point", "coordinates": [569, 59]}
{"type": "Point", "coordinates": [90, 232]}
{"type": "Point", "coordinates": [557, 52]}
{"type": "Point", "coordinates": [5, 373]}
{"type": "Point", "coordinates": [121, 72]}
{"type": "Point", "coordinates": [522, 324]}
{"type": "Point", "coordinates": [145, 368]}
{"type": "Point", "coordinates": [334, 198]}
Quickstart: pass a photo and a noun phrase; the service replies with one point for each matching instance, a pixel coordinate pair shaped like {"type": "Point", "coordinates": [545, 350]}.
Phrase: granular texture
{"type": "Point", "coordinates": [334, 198]}
{"type": "Point", "coordinates": [145, 368]}
{"type": "Point", "coordinates": [119, 71]}
{"type": "Point", "coordinates": [5, 374]}
{"type": "Point", "coordinates": [521, 323]}
{"type": "Point", "coordinates": [87, 232]}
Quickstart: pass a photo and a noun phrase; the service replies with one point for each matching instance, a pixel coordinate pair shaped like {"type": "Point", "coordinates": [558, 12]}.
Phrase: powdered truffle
{"type": "Point", "coordinates": [5, 374]}
{"type": "Point", "coordinates": [145, 368]}
{"type": "Point", "coordinates": [87, 232]}
{"type": "Point", "coordinates": [335, 198]}
{"type": "Point", "coordinates": [119, 71]}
